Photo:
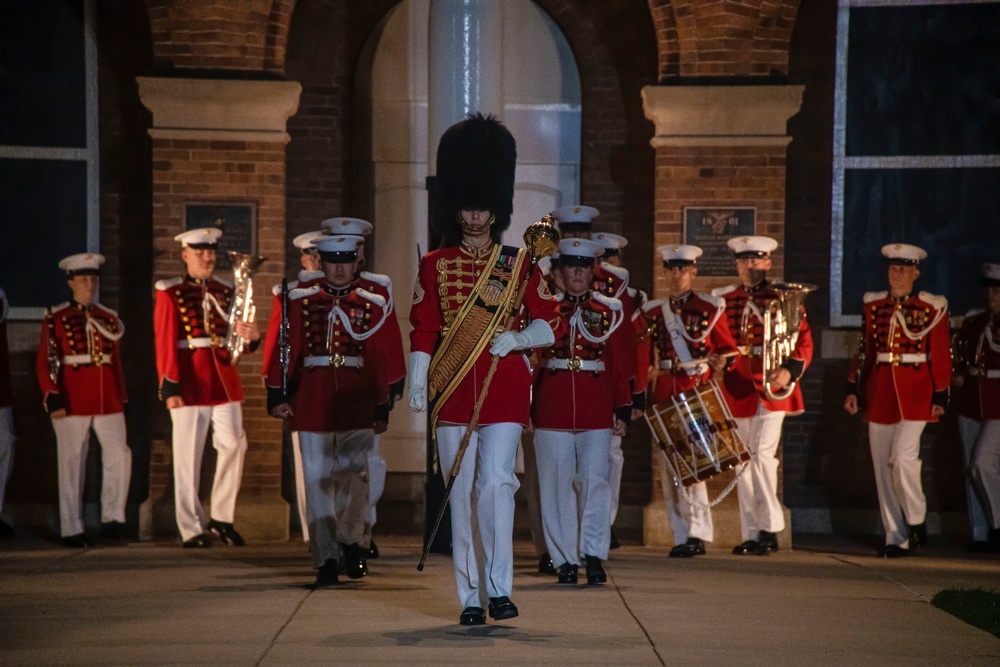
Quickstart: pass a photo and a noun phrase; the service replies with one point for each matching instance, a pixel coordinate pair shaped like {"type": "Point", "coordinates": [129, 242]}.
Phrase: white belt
{"type": "Point", "coordinates": [750, 350]}
{"type": "Point", "coordinates": [992, 374]}
{"type": "Point", "coordinates": [896, 358]}
{"type": "Point", "coordinates": [336, 361]}
{"type": "Point", "coordinates": [189, 343]}
{"type": "Point", "coordinates": [83, 359]}
{"type": "Point", "coordinates": [574, 364]}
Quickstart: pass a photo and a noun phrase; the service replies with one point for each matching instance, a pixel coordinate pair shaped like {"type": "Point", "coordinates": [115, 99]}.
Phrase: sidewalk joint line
{"type": "Point", "coordinates": [652, 644]}
{"type": "Point", "coordinates": [274, 640]}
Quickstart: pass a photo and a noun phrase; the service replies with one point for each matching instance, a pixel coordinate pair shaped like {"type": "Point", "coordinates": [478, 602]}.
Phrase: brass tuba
{"type": "Point", "coordinates": [780, 317]}
{"type": "Point", "coordinates": [242, 308]}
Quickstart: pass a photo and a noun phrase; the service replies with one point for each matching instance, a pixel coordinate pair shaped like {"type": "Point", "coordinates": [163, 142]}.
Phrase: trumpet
{"type": "Point", "coordinates": [242, 308]}
{"type": "Point", "coordinates": [780, 317]}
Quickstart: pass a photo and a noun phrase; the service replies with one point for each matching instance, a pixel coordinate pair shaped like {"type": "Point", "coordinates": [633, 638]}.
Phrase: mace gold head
{"type": "Point", "coordinates": [541, 238]}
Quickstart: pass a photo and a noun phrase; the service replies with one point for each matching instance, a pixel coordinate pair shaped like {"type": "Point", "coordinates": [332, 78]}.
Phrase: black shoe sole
{"type": "Point", "coordinates": [503, 615]}
{"type": "Point", "coordinates": [479, 619]}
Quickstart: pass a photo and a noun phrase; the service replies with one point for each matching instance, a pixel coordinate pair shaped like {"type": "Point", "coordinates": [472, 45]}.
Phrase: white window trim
{"type": "Point", "coordinates": [90, 154]}
{"type": "Point", "coordinates": [841, 162]}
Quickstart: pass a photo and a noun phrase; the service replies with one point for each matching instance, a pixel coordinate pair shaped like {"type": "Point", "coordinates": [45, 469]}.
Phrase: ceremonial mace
{"type": "Point", "coordinates": [541, 239]}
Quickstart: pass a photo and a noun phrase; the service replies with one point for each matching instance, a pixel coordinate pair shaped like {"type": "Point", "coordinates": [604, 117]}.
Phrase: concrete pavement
{"type": "Point", "coordinates": [154, 603]}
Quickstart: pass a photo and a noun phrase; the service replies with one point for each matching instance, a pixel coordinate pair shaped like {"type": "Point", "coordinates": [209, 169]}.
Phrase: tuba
{"type": "Point", "coordinates": [780, 317]}
{"type": "Point", "coordinates": [242, 308]}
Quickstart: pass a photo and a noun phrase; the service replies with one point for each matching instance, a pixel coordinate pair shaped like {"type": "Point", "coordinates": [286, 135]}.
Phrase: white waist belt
{"type": "Point", "coordinates": [574, 364]}
{"type": "Point", "coordinates": [990, 374]}
{"type": "Point", "coordinates": [194, 342]}
{"type": "Point", "coordinates": [336, 361]}
{"type": "Point", "coordinates": [82, 359]}
{"type": "Point", "coordinates": [906, 358]}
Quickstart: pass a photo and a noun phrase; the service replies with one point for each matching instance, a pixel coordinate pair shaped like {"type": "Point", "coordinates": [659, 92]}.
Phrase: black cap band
{"type": "Point", "coordinates": [752, 254]}
{"type": "Point", "coordinates": [575, 226]}
{"type": "Point", "coordinates": [991, 282]}
{"type": "Point", "coordinates": [611, 252]}
{"type": "Point", "coordinates": [83, 272]}
{"type": "Point", "coordinates": [900, 261]}
{"type": "Point", "coordinates": [310, 251]}
{"type": "Point", "coordinates": [339, 257]}
{"type": "Point", "coordinates": [203, 246]}
{"type": "Point", "coordinates": [575, 260]}
{"type": "Point", "coordinates": [671, 263]}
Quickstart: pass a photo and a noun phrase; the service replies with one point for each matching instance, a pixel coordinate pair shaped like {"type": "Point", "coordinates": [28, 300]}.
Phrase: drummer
{"type": "Point", "coordinates": [689, 339]}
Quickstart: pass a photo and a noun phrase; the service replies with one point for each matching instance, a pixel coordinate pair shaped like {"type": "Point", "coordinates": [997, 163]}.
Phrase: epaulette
{"type": "Point", "coordinates": [303, 292]}
{"type": "Point", "coordinates": [309, 275]}
{"type": "Point", "coordinates": [276, 290]}
{"type": "Point", "coordinates": [607, 301]}
{"type": "Point", "coordinates": [939, 302]}
{"type": "Point", "coordinates": [561, 296]}
{"type": "Point", "coordinates": [377, 299]}
{"type": "Point", "coordinates": [652, 305]}
{"type": "Point", "coordinates": [874, 296]}
{"type": "Point", "coordinates": [224, 282]}
{"type": "Point", "coordinates": [379, 278]}
{"type": "Point", "coordinates": [723, 291]}
{"type": "Point", "coordinates": [62, 306]}
{"type": "Point", "coordinates": [617, 271]}
{"type": "Point", "coordinates": [975, 311]}
{"type": "Point", "coordinates": [106, 309]}
{"type": "Point", "coordinates": [714, 299]}
{"type": "Point", "coordinates": [168, 283]}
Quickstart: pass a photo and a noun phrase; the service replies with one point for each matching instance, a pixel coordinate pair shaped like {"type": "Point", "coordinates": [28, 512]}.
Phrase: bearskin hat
{"type": "Point", "coordinates": [475, 170]}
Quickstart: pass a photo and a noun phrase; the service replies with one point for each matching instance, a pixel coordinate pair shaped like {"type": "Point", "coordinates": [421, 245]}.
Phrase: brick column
{"type": "Point", "coordinates": [717, 146]}
{"type": "Point", "coordinates": [221, 140]}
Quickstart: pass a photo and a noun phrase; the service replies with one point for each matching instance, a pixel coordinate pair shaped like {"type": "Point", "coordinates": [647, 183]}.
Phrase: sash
{"type": "Point", "coordinates": [676, 328]}
{"type": "Point", "coordinates": [475, 324]}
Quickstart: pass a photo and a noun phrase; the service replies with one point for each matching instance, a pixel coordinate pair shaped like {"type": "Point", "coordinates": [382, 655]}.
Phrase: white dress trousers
{"type": "Point", "coordinates": [300, 486]}
{"type": "Point", "coordinates": [688, 515]}
{"type": "Point", "coordinates": [335, 470]}
{"type": "Point", "coordinates": [896, 457]}
{"type": "Point", "coordinates": [6, 449]}
{"type": "Point", "coordinates": [575, 493]}
{"type": "Point", "coordinates": [376, 487]}
{"type": "Point", "coordinates": [72, 440]}
{"type": "Point", "coordinates": [190, 431]}
{"type": "Point", "coordinates": [533, 499]}
{"type": "Point", "coordinates": [982, 447]}
{"type": "Point", "coordinates": [615, 468]}
{"type": "Point", "coordinates": [482, 509]}
{"type": "Point", "coordinates": [757, 488]}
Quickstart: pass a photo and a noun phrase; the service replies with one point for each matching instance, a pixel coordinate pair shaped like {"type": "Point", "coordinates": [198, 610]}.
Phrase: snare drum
{"type": "Point", "coordinates": [697, 433]}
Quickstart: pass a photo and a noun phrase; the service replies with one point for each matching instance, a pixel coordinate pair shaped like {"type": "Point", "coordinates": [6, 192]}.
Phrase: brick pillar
{"type": "Point", "coordinates": [219, 141]}
{"type": "Point", "coordinates": [717, 146]}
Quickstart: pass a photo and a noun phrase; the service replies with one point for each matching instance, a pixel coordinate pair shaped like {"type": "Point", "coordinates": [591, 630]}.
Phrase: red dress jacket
{"type": "Point", "coordinates": [337, 373]}
{"type": "Point", "coordinates": [190, 321]}
{"type": "Point", "coordinates": [705, 330]}
{"type": "Point", "coordinates": [977, 348]}
{"type": "Point", "coordinates": [743, 382]}
{"type": "Point", "coordinates": [907, 355]}
{"type": "Point", "coordinates": [6, 392]}
{"type": "Point", "coordinates": [306, 279]}
{"type": "Point", "coordinates": [445, 280]}
{"type": "Point", "coordinates": [90, 380]}
{"type": "Point", "coordinates": [568, 395]}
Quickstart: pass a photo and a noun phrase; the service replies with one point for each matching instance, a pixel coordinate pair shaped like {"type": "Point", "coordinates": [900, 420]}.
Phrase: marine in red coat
{"type": "Point", "coordinates": [79, 370]}
{"type": "Point", "coordinates": [905, 378]}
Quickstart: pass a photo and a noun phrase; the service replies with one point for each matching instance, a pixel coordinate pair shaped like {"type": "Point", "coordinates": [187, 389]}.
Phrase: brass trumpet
{"type": "Point", "coordinates": [781, 317]}
{"type": "Point", "coordinates": [242, 308]}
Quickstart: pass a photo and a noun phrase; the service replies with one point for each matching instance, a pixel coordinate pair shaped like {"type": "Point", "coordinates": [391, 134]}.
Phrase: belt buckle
{"type": "Point", "coordinates": [98, 359]}
{"type": "Point", "coordinates": [574, 363]}
{"type": "Point", "coordinates": [337, 360]}
{"type": "Point", "coordinates": [895, 358]}
{"type": "Point", "coordinates": [216, 341]}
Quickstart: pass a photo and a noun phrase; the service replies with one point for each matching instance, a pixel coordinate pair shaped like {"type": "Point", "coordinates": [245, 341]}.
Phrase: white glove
{"type": "Point", "coordinates": [417, 380]}
{"type": "Point", "coordinates": [536, 334]}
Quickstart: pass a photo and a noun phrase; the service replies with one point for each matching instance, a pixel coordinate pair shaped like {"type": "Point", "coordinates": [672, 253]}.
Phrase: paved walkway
{"type": "Point", "coordinates": [157, 604]}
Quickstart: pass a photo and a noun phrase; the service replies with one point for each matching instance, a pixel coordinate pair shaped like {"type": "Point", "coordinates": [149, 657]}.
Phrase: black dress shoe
{"type": "Point", "coordinates": [372, 551]}
{"type": "Point", "coordinates": [693, 547]}
{"type": "Point", "coordinates": [474, 616]}
{"type": "Point", "coordinates": [545, 565]}
{"type": "Point", "coordinates": [113, 531]}
{"type": "Point", "coordinates": [225, 532]}
{"type": "Point", "coordinates": [750, 547]}
{"type": "Point", "coordinates": [918, 535]}
{"type": "Point", "coordinates": [326, 575]}
{"type": "Point", "coordinates": [197, 542]}
{"type": "Point", "coordinates": [502, 608]}
{"type": "Point", "coordinates": [76, 541]}
{"type": "Point", "coordinates": [615, 543]}
{"type": "Point", "coordinates": [568, 573]}
{"type": "Point", "coordinates": [354, 561]}
{"type": "Point", "coordinates": [595, 571]}
{"type": "Point", "coordinates": [767, 542]}
{"type": "Point", "coordinates": [892, 551]}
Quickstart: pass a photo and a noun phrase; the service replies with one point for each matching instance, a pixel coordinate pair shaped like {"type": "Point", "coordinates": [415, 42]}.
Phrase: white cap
{"type": "Point", "coordinates": [338, 243]}
{"type": "Point", "coordinates": [759, 246]}
{"type": "Point", "coordinates": [991, 274]}
{"type": "Point", "coordinates": [203, 236]}
{"type": "Point", "coordinates": [355, 226]}
{"type": "Point", "coordinates": [575, 214]}
{"type": "Point", "coordinates": [680, 254]}
{"type": "Point", "coordinates": [612, 243]}
{"type": "Point", "coordinates": [86, 261]}
{"type": "Point", "coordinates": [903, 253]}
{"type": "Point", "coordinates": [579, 248]}
{"type": "Point", "coordinates": [305, 241]}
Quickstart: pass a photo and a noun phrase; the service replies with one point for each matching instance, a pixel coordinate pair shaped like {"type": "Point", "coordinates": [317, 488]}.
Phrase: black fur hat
{"type": "Point", "coordinates": [475, 170]}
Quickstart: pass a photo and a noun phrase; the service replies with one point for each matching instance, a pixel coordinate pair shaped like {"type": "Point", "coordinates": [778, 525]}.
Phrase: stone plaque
{"type": "Point", "coordinates": [709, 229]}
{"type": "Point", "coordinates": [237, 220]}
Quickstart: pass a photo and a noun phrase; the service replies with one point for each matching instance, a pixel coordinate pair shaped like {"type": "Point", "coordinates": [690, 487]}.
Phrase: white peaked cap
{"type": "Point", "coordinates": [82, 262]}
{"type": "Point", "coordinates": [580, 248]}
{"type": "Point", "coordinates": [305, 241]}
{"type": "Point", "coordinates": [610, 241]}
{"type": "Point", "coordinates": [577, 213]}
{"type": "Point", "coordinates": [354, 226]}
{"type": "Point", "coordinates": [202, 235]}
{"type": "Point", "coordinates": [679, 253]}
{"type": "Point", "coordinates": [904, 251]}
{"type": "Point", "coordinates": [338, 243]}
{"type": "Point", "coordinates": [762, 245]}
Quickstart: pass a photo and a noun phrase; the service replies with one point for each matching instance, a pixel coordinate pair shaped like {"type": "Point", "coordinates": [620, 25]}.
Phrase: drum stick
{"type": "Point", "coordinates": [704, 360]}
